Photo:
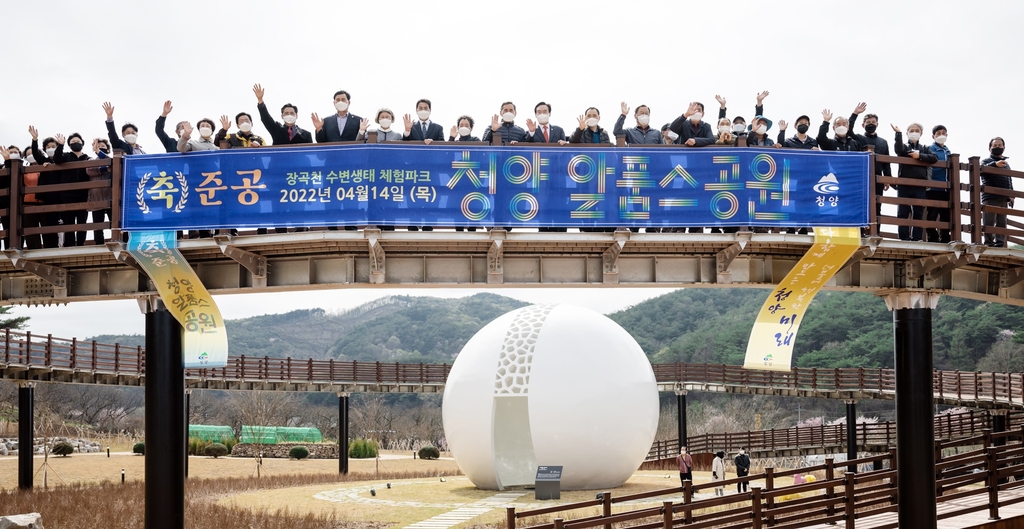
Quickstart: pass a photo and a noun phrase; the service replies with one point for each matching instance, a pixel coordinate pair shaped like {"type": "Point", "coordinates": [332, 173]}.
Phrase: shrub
{"type": "Point", "coordinates": [139, 448]}
{"type": "Point", "coordinates": [63, 448]}
{"type": "Point", "coordinates": [228, 442]}
{"type": "Point", "coordinates": [216, 450]}
{"type": "Point", "coordinates": [298, 452]}
{"type": "Point", "coordinates": [197, 446]}
{"type": "Point", "coordinates": [362, 449]}
{"type": "Point", "coordinates": [429, 452]}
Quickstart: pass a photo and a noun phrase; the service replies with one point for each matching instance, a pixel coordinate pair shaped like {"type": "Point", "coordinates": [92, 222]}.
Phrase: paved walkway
{"type": "Point", "coordinates": [464, 514]}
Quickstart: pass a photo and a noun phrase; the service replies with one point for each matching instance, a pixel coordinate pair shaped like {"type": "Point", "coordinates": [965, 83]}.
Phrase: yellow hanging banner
{"type": "Point", "coordinates": [771, 340]}
{"type": "Point", "coordinates": [205, 341]}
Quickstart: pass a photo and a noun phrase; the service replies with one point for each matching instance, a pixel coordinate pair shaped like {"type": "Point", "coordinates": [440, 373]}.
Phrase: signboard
{"type": "Point", "coordinates": [447, 185]}
{"type": "Point", "coordinates": [548, 484]}
{"type": "Point", "coordinates": [549, 473]}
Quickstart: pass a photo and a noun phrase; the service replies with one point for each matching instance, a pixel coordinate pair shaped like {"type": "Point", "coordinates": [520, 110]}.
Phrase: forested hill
{"type": "Point", "coordinates": [841, 329]}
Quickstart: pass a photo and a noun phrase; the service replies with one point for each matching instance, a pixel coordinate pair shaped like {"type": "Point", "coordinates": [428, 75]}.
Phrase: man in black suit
{"type": "Point", "coordinates": [281, 133]}
{"type": "Point", "coordinates": [542, 131]}
{"type": "Point", "coordinates": [423, 130]}
{"type": "Point", "coordinates": [342, 126]}
{"type": "Point", "coordinates": [170, 145]}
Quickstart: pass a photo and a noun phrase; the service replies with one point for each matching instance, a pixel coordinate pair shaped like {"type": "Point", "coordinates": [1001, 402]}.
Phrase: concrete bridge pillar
{"type": "Point", "coordinates": [915, 471]}
{"type": "Point", "coordinates": [26, 426]}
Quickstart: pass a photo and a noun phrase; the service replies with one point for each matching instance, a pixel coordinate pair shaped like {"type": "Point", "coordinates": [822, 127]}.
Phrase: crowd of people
{"type": "Point", "coordinates": [741, 461]}
{"type": "Point", "coordinates": [688, 129]}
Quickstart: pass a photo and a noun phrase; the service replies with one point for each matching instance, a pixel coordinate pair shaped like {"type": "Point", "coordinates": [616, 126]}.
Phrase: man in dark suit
{"type": "Point", "coordinates": [170, 145]}
{"type": "Point", "coordinates": [342, 126]}
{"type": "Point", "coordinates": [281, 133]}
{"type": "Point", "coordinates": [542, 131]}
{"type": "Point", "coordinates": [423, 130]}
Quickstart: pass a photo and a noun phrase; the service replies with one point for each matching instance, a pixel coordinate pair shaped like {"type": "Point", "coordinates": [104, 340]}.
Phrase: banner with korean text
{"type": "Point", "coordinates": [770, 347]}
{"type": "Point", "coordinates": [515, 186]}
{"type": "Point", "coordinates": [205, 340]}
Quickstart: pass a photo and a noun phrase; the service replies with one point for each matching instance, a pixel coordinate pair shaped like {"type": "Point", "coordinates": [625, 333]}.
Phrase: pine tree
{"type": "Point", "coordinates": [11, 323]}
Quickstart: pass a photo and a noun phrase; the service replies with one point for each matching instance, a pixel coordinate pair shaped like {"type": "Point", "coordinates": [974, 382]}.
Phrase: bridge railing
{"type": "Point", "coordinates": [837, 496]}
{"type": "Point", "coordinates": [27, 218]}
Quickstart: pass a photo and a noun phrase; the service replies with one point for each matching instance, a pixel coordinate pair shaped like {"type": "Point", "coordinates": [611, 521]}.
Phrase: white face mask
{"type": "Point", "coordinates": [723, 129]}
{"type": "Point", "coordinates": [245, 126]}
{"type": "Point", "coordinates": [672, 135]}
{"type": "Point", "coordinates": [592, 122]}
{"type": "Point", "coordinates": [841, 130]}
{"type": "Point", "coordinates": [507, 117]}
{"type": "Point", "coordinates": [941, 140]}
{"type": "Point", "coordinates": [385, 123]}
{"type": "Point", "coordinates": [29, 160]}
{"type": "Point", "coordinates": [341, 106]}
{"type": "Point", "coordinates": [130, 138]}
{"type": "Point", "coordinates": [288, 118]}
{"type": "Point", "coordinates": [15, 155]}
{"type": "Point", "coordinates": [914, 136]}
{"type": "Point", "coordinates": [738, 127]}
{"type": "Point", "coordinates": [643, 119]}
{"type": "Point", "coordinates": [697, 117]}
{"type": "Point", "coordinates": [762, 129]}
{"type": "Point", "coordinates": [464, 131]}
{"type": "Point", "coordinates": [51, 151]}
{"type": "Point", "coordinates": [423, 114]}
{"type": "Point", "coordinates": [205, 132]}
{"type": "Point", "coordinates": [543, 118]}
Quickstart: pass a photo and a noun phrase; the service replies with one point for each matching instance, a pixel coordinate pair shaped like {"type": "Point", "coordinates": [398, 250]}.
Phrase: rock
{"type": "Point", "coordinates": [22, 521]}
{"type": "Point", "coordinates": [3, 450]}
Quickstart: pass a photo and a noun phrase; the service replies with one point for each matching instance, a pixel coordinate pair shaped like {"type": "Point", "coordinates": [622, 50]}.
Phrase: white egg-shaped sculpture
{"type": "Point", "coordinates": [550, 385]}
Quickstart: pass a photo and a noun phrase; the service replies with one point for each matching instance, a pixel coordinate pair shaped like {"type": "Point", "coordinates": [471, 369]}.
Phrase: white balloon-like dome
{"type": "Point", "coordinates": [550, 385]}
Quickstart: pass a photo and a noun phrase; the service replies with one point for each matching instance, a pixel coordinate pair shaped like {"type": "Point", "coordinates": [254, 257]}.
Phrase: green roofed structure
{"type": "Point", "coordinates": [210, 433]}
{"type": "Point", "coordinates": [269, 435]}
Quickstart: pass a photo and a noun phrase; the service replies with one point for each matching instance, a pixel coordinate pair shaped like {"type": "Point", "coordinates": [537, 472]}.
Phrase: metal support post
{"type": "Point", "coordinates": [851, 433]}
{"type": "Point", "coordinates": [681, 410]}
{"type": "Point", "coordinates": [26, 442]}
{"type": "Point", "coordinates": [343, 433]}
{"type": "Point", "coordinates": [165, 409]}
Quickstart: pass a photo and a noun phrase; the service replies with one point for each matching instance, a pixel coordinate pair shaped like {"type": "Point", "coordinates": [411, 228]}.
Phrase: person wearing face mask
{"type": "Point", "coordinates": [668, 136]}
{"type": "Point", "coordinates": [739, 125]}
{"type": "Point", "coordinates": [642, 133]}
{"type": "Point", "coordinates": [12, 152]}
{"type": "Point", "coordinates": [871, 141]}
{"type": "Point", "coordinates": [915, 150]}
{"type": "Point", "coordinates": [44, 157]}
{"type": "Point", "coordinates": [542, 131]}
{"type": "Point", "coordinates": [342, 126]}
{"type": "Point", "coordinates": [101, 148]}
{"type": "Point", "coordinates": [996, 147]}
{"type": "Point", "coordinates": [802, 140]}
{"type": "Point", "coordinates": [844, 139]}
{"type": "Point", "coordinates": [6, 155]}
{"type": "Point", "coordinates": [725, 135]}
{"type": "Point", "coordinates": [423, 129]}
{"type": "Point", "coordinates": [691, 130]}
{"type": "Point", "coordinates": [243, 138]}
{"type": "Point", "coordinates": [938, 174]}
{"type": "Point", "coordinates": [203, 143]}
{"type": "Point", "coordinates": [758, 135]}
{"type": "Point", "coordinates": [170, 144]}
{"type": "Point", "coordinates": [464, 130]}
{"type": "Point", "coordinates": [287, 133]}
{"type": "Point", "coordinates": [72, 176]}
{"type": "Point", "coordinates": [505, 124]}
{"type": "Point", "coordinates": [129, 131]}
{"type": "Point", "coordinates": [385, 119]}
{"type": "Point", "coordinates": [589, 131]}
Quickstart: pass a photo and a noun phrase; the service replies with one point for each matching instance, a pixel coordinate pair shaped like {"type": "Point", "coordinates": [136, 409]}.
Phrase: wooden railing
{"type": "Point", "coordinates": [51, 353]}
{"type": "Point", "coordinates": [949, 426]}
{"type": "Point", "coordinates": [838, 497]}
{"type": "Point", "coordinates": [965, 219]}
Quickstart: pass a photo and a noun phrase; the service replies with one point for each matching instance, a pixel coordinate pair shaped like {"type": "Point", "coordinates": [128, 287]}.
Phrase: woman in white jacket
{"type": "Point", "coordinates": [718, 472]}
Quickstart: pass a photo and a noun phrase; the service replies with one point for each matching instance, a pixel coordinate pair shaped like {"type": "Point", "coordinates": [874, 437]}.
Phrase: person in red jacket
{"type": "Point", "coordinates": [685, 463]}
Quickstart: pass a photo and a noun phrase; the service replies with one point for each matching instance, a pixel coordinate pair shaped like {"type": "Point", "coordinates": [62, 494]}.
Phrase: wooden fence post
{"type": "Point", "coordinates": [687, 499]}
{"type": "Point", "coordinates": [666, 513]}
{"type": "Point", "coordinates": [992, 483]}
{"type": "Point", "coordinates": [510, 517]}
{"type": "Point", "coordinates": [955, 212]}
{"type": "Point", "coordinates": [755, 501]}
{"type": "Point", "coordinates": [606, 507]}
{"type": "Point", "coordinates": [830, 491]}
{"type": "Point", "coordinates": [850, 514]}
{"type": "Point", "coordinates": [974, 175]}
{"type": "Point", "coordinates": [769, 485]}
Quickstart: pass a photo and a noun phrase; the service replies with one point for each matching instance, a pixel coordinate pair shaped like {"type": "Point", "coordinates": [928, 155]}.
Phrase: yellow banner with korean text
{"type": "Point", "coordinates": [205, 340]}
{"type": "Point", "coordinates": [771, 340]}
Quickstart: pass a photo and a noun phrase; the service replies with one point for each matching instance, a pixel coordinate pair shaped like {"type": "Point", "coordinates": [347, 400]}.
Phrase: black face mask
{"type": "Point", "coordinates": [76, 147]}
{"type": "Point", "coordinates": [997, 151]}
{"type": "Point", "coordinates": [802, 128]}
{"type": "Point", "coordinates": [105, 151]}
{"type": "Point", "coordinates": [871, 128]}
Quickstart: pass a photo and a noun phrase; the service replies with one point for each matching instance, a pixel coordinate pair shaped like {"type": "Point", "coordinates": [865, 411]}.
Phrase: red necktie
{"type": "Point", "coordinates": [546, 139]}
{"type": "Point", "coordinates": [290, 134]}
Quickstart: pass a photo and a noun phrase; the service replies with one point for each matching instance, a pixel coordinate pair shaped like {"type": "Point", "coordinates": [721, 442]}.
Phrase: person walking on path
{"type": "Point", "coordinates": [685, 463]}
{"type": "Point", "coordinates": [718, 472]}
{"type": "Point", "coordinates": [742, 469]}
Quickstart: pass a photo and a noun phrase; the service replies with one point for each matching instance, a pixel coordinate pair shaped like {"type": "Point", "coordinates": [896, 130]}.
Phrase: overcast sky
{"type": "Point", "coordinates": [935, 62]}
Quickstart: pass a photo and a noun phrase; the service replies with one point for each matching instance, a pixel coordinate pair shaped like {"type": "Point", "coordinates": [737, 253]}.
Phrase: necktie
{"type": "Point", "coordinates": [290, 134]}
{"type": "Point", "coordinates": [424, 124]}
{"type": "Point", "coordinates": [546, 138]}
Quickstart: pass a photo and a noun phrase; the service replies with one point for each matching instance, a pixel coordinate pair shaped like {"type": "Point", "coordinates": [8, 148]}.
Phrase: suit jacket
{"type": "Point", "coordinates": [170, 145]}
{"type": "Point", "coordinates": [330, 131]}
{"type": "Point", "coordinates": [434, 132]}
{"type": "Point", "coordinates": [555, 134]}
{"type": "Point", "coordinates": [279, 131]}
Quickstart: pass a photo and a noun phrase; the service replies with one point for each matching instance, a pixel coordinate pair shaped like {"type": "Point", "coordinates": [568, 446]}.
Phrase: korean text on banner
{"type": "Point", "coordinates": [206, 339]}
{"type": "Point", "coordinates": [771, 340]}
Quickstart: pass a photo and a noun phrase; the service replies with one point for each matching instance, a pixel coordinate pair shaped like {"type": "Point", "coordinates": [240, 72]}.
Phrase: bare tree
{"type": "Point", "coordinates": [1005, 356]}
{"type": "Point", "coordinates": [258, 411]}
{"type": "Point", "coordinates": [373, 418]}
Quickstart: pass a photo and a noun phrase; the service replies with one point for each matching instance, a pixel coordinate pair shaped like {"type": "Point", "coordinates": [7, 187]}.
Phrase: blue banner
{"type": "Point", "coordinates": [447, 185]}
